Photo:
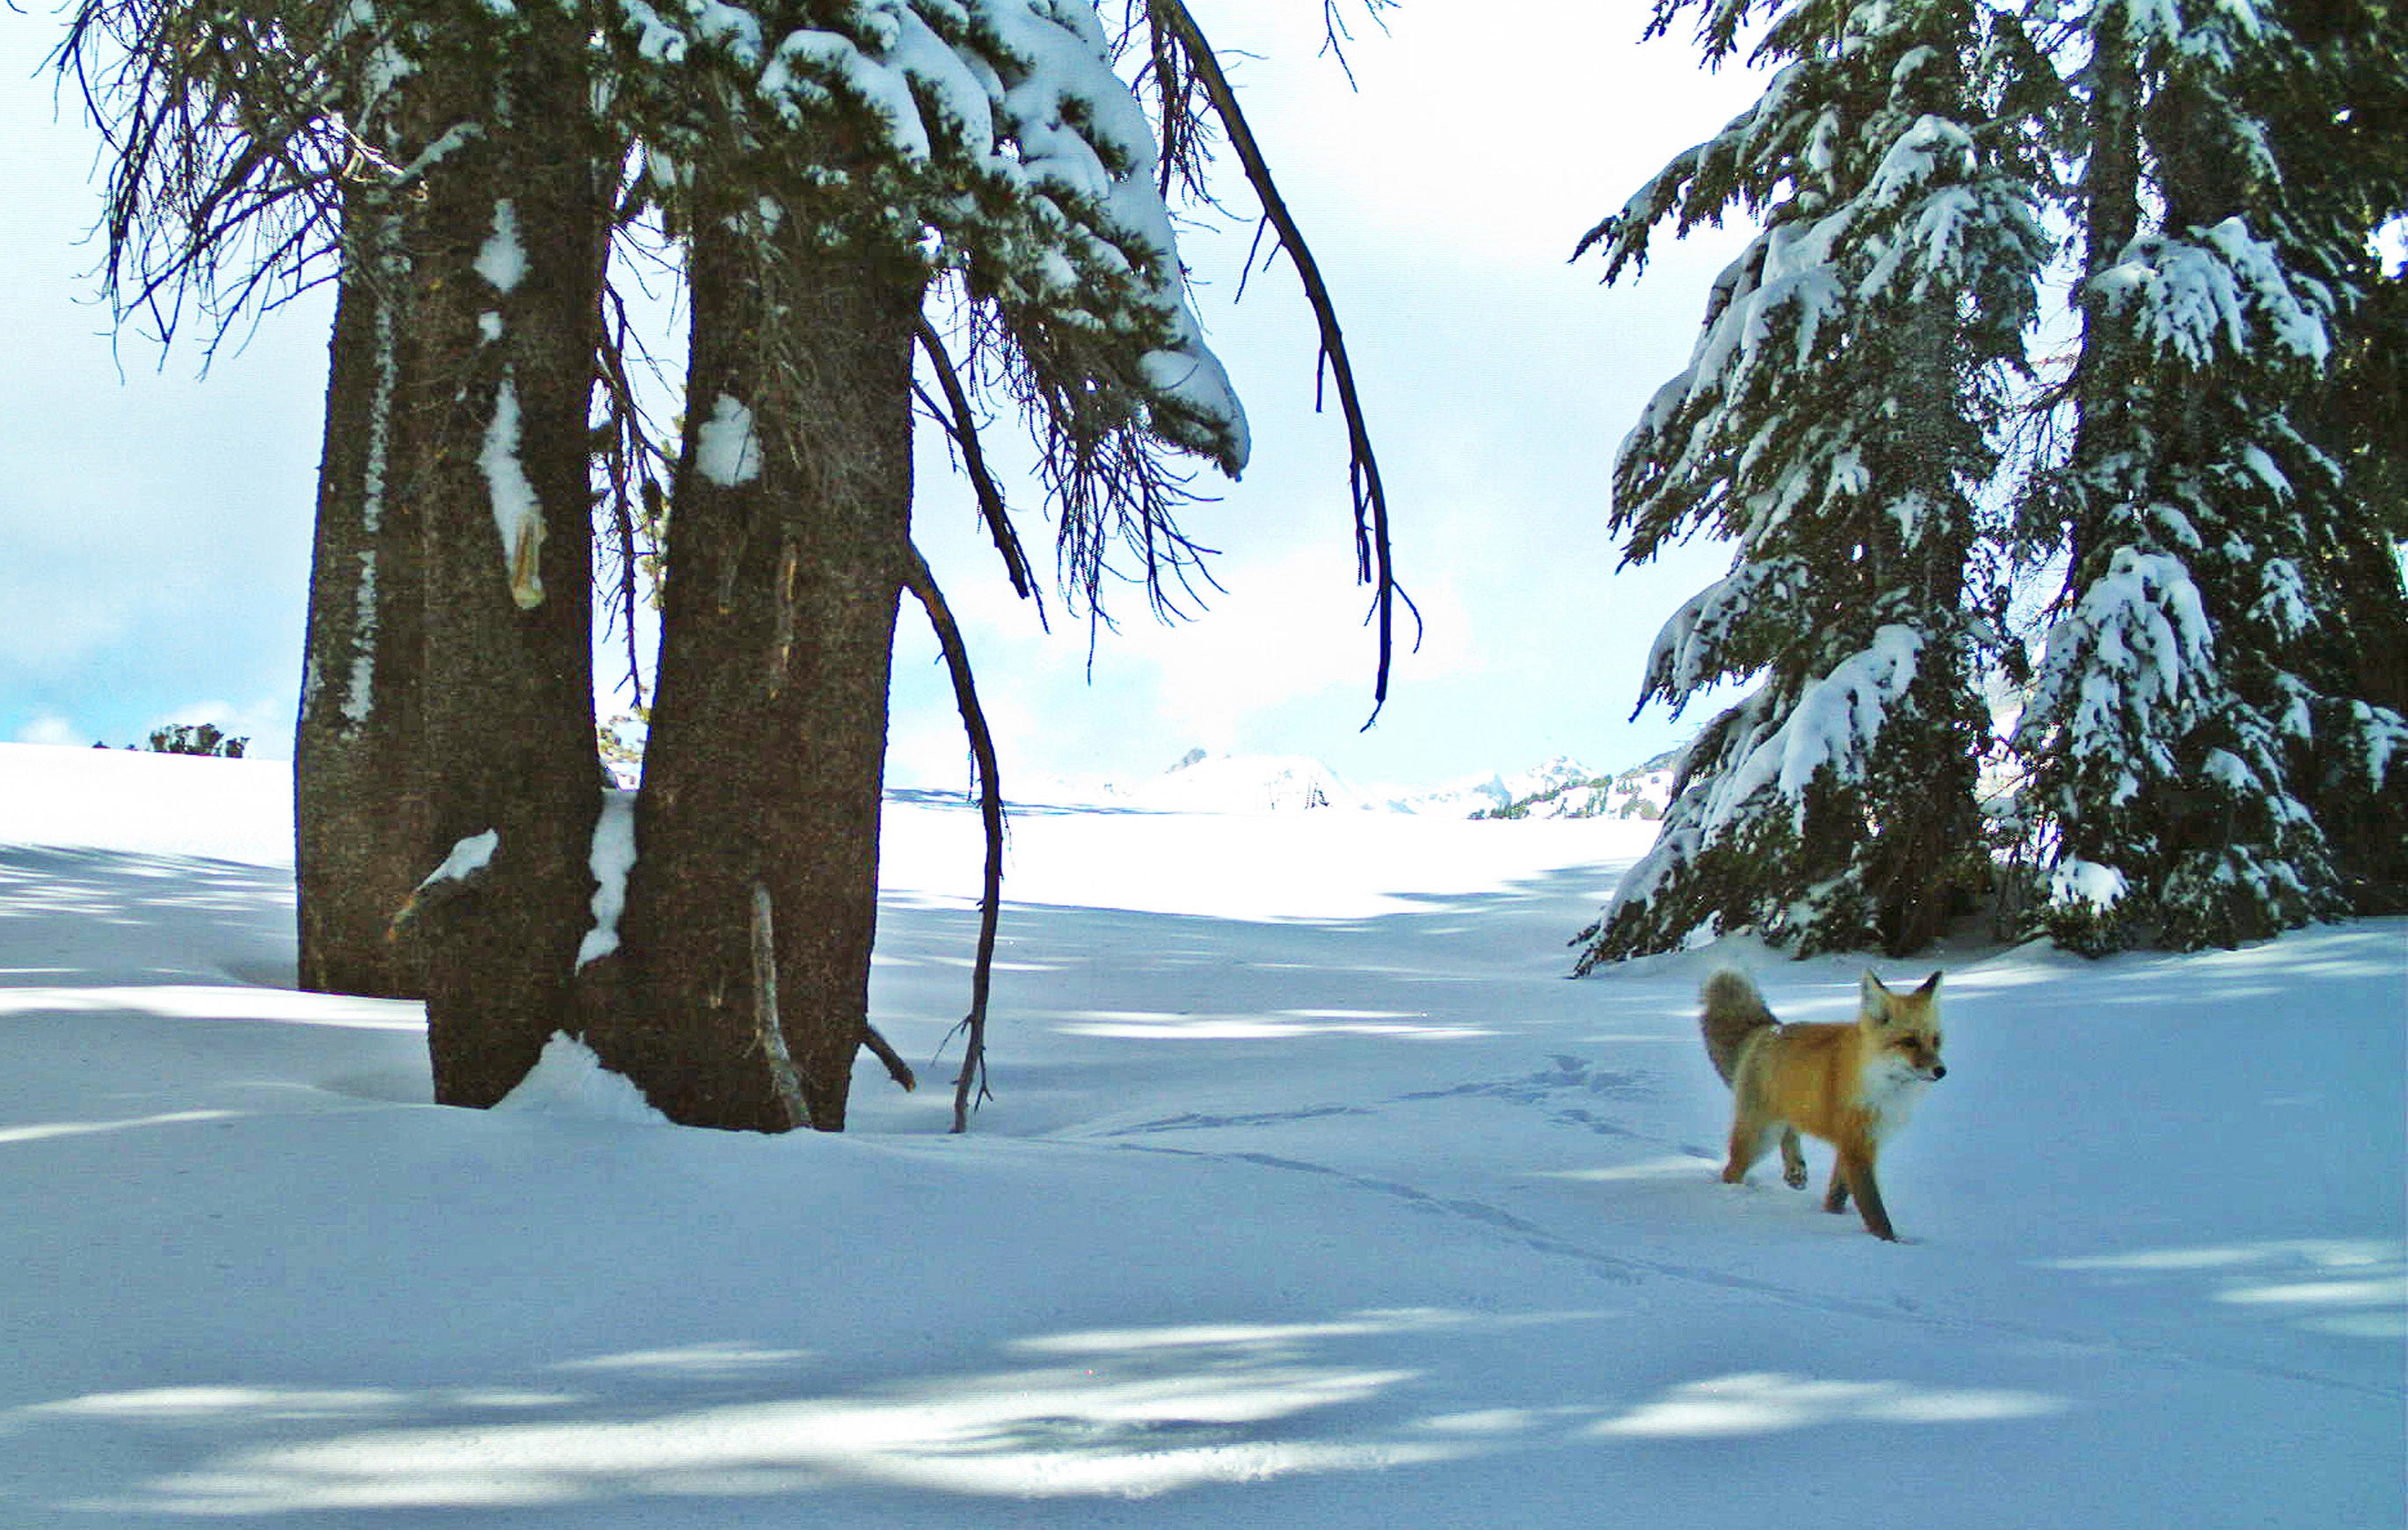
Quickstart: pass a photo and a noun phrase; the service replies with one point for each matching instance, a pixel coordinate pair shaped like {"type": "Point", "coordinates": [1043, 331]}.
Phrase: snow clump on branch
{"type": "Point", "coordinates": [1004, 147]}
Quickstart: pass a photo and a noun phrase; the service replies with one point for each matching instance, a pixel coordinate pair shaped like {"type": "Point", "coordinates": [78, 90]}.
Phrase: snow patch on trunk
{"type": "Point", "coordinates": [518, 515]}
{"type": "Point", "coordinates": [614, 857]}
{"type": "Point", "coordinates": [726, 452]}
{"type": "Point", "coordinates": [503, 261]}
{"type": "Point", "coordinates": [361, 702]}
{"type": "Point", "coordinates": [468, 857]}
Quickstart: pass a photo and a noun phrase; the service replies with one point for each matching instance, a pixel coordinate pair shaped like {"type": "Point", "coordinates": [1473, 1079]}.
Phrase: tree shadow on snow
{"type": "Point", "coordinates": [1026, 1432]}
{"type": "Point", "coordinates": [81, 917]}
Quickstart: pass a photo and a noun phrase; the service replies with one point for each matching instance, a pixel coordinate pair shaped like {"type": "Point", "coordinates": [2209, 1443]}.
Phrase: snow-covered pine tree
{"type": "Point", "coordinates": [2341, 117]}
{"type": "Point", "coordinates": [2199, 729]}
{"type": "Point", "coordinates": [1837, 421]}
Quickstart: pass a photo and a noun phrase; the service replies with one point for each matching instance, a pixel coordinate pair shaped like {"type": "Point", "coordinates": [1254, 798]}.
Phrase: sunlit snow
{"type": "Point", "coordinates": [1312, 1193]}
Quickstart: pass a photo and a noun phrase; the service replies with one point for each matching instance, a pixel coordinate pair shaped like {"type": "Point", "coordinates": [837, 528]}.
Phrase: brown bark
{"type": "Point", "coordinates": [360, 830]}
{"type": "Point", "coordinates": [766, 756]}
{"type": "Point", "coordinates": [509, 716]}
{"type": "Point", "coordinates": [2110, 217]}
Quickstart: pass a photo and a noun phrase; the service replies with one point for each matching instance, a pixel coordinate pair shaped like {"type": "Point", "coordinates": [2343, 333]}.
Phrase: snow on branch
{"type": "Point", "coordinates": [1002, 144]}
{"type": "Point", "coordinates": [2221, 292]}
{"type": "Point", "coordinates": [1832, 727]}
{"type": "Point", "coordinates": [2128, 667]}
{"type": "Point", "coordinates": [463, 870]}
{"type": "Point", "coordinates": [1705, 640]}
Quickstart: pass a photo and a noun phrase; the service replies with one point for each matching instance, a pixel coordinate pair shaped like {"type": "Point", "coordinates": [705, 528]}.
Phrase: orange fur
{"type": "Point", "coordinates": [1851, 1084]}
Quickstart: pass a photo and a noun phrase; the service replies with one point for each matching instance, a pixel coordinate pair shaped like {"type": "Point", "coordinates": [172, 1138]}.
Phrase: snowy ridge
{"type": "Point", "coordinates": [1206, 782]}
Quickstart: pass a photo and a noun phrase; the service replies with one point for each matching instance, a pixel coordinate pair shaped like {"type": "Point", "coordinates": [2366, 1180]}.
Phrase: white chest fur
{"type": "Point", "coordinates": [1889, 1095]}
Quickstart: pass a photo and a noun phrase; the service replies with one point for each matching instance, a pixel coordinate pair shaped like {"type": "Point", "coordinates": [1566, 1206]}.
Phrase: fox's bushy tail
{"type": "Point", "coordinates": [1733, 1011]}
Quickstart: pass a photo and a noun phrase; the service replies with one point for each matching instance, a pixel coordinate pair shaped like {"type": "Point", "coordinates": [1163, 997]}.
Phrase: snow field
{"type": "Point", "coordinates": [1315, 1193]}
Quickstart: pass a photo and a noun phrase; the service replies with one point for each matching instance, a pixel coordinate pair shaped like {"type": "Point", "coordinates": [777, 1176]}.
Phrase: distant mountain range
{"type": "Point", "coordinates": [1564, 790]}
{"type": "Point", "coordinates": [1204, 782]}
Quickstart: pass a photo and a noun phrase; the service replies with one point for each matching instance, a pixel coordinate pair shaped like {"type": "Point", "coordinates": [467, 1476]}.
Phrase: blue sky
{"type": "Point", "coordinates": [157, 521]}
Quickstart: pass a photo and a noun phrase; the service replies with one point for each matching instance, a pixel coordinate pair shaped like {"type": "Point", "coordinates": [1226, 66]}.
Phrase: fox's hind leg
{"type": "Point", "coordinates": [1835, 1199]}
{"type": "Point", "coordinates": [1793, 1159]}
{"type": "Point", "coordinates": [1751, 1134]}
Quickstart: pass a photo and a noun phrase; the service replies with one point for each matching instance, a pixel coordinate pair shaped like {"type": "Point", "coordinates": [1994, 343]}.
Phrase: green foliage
{"type": "Point", "coordinates": [196, 739]}
{"type": "Point", "coordinates": [2209, 725]}
{"type": "Point", "coordinates": [2212, 739]}
{"type": "Point", "coordinates": [1838, 422]}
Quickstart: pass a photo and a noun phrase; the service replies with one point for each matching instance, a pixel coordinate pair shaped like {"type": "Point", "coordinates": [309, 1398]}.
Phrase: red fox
{"type": "Point", "coordinates": [1852, 1085]}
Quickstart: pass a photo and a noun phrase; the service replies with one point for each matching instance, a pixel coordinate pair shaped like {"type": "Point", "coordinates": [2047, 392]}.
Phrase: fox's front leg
{"type": "Point", "coordinates": [1854, 1171]}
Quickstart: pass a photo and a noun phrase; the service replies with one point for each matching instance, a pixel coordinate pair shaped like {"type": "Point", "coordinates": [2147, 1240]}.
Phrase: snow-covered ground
{"type": "Point", "coordinates": [1314, 1195]}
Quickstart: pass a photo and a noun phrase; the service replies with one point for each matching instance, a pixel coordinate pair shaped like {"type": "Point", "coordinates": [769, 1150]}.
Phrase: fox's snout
{"type": "Point", "coordinates": [1939, 1070]}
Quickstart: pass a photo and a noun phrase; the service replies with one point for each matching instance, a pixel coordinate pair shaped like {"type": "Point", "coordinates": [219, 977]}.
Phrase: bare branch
{"type": "Point", "coordinates": [884, 1050]}
{"type": "Point", "coordinates": [229, 147]}
{"type": "Point", "coordinates": [923, 585]}
{"type": "Point", "coordinates": [960, 421]}
{"type": "Point", "coordinates": [1334, 37]}
{"type": "Point", "coordinates": [636, 466]}
{"type": "Point", "coordinates": [768, 1031]}
{"type": "Point", "coordinates": [1374, 560]}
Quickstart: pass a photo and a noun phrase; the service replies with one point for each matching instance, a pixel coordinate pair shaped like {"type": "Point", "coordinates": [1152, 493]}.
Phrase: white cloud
{"type": "Point", "coordinates": [50, 727]}
{"type": "Point", "coordinates": [1500, 137]}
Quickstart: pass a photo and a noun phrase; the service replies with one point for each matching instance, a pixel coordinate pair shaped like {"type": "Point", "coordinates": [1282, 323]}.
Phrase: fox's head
{"type": "Point", "coordinates": [1904, 1027]}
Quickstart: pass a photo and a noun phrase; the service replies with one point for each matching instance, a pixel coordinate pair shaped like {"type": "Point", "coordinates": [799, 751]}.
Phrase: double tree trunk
{"type": "Point", "coordinates": [360, 836]}
{"type": "Point", "coordinates": [505, 298]}
{"type": "Point", "coordinates": [759, 815]}
{"type": "Point", "coordinates": [458, 461]}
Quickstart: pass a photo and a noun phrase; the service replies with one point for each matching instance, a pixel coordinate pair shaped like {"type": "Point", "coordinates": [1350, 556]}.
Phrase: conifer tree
{"type": "Point", "coordinates": [1837, 421]}
{"type": "Point", "coordinates": [825, 165]}
{"type": "Point", "coordinates": [2205, 753]}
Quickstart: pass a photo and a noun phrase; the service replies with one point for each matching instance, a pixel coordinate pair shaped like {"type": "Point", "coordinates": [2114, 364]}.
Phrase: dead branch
{"type": "Point", "coordinates": [1334, 35]}
{"type": "Point", "coordinates": [960, 421]}
{"type": "Point", "coordinates": [768, 1031]}
{"type": "Point", "coordinates": [635, 465]}
{"type": "Point", "coordinates": [230, 136]}
{"type": "Point", "coordinates": [897, 1068]}
{"type": "Point", "coordinates": [1375, 562]}
{"type": "Point", "coordinates": [923, 585]}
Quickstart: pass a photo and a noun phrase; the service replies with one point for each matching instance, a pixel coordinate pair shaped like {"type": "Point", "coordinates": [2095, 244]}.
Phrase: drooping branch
{"type": "Point", "coordinates": [230, 140]}
{"type": "Point", "coordinates": [1375, 562]}
{"type": "Point", "coordinates": [923, 586]}
{"type": "Point", "coordinates": [960, 423]}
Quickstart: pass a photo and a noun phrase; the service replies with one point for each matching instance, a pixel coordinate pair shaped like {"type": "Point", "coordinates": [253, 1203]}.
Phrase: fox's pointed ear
{"type": "Point", "coordinates": [1930, 986]}
{"type": "Point", "coordinates": [1875, 997]}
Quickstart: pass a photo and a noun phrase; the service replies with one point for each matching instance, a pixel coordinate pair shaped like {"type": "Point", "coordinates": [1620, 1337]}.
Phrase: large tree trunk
{"type": "Point", "coordinates": [767, 757]}
{"type": "Point", "coordinates": [1928, 822]}
{"type": "Point", "coordinates": [506, 301]}
{"type": "Point", "coordinates": [360, 830]}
